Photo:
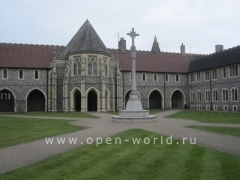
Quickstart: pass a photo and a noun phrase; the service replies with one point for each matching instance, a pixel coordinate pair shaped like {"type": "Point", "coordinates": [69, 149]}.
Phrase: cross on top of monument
{"type": "Point", "coordinates": [132, 35]}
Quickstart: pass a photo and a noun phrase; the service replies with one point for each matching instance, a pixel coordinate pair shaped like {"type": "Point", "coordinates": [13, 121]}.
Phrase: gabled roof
{"type": "Point", "coordinates": [155, 46]}
{"type": "Point", "coordinates": [86, 39]}
{"type": "Point", "coordinates": [223, 58]}
{"type": "Point", "coordinates": [26, 55]}
{"type": "Point", "coordinates": [149, 62]}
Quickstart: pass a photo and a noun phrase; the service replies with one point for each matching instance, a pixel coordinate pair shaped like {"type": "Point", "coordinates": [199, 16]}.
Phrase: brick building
{"type": "Point", "coordinates": [87, 76]}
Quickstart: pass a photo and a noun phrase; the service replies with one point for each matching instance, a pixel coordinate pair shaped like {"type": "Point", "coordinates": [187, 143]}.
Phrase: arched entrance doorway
{"type": "Point", "coordinates": [36, 101]}
{"type": "Point", "coordinates": [155, 100]}
{"type": "Point", "coordinates": [92, 101]}
{"type": "Point", "coordinates": [126, 98]}
{"type": "Point", "coordinates": [177, 100]}
{"type": "Point", "coordinates": [77, 100]}
{"type": "Point", "coordinates": [6, 101]}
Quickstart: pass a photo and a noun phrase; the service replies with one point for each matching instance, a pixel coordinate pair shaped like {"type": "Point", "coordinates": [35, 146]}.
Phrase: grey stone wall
{"type": "Point", "coordinates": [218, 84]}
{"type": "Point", "coordinates": [22, 87]}
{"type": "Point", "coordinates": [166, 89]}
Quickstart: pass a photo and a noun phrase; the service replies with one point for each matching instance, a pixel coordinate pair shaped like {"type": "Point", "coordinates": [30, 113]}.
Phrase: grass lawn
{"type": "Point", "coordinates": [128, 161]}
{"type": "Point", "coordinates": [152, 111]}
{"type": "Point", "coordinates": [208, 117]}
{"type": "Point", "coordinates": [221, 130]}
{"type": "Point", "coordinates": [14, 130]}
{"type": "Point", "coordinates": [57, 114]}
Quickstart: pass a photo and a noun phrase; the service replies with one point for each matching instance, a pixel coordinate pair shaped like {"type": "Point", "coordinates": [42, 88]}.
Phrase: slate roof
{"type": "Point", "coordinates": [149, 62]}
{"type": "Point", "coordinates": [226, 57]}
{"type": "Point", "coordinates": [86, 39]}
{"type": "Point", "coordinates": [27, 55]}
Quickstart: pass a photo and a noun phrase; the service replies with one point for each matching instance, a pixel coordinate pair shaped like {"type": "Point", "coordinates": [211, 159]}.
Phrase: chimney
{"type": "Point", "coordinates": [182, 49]}
{"type": "Point", "coordinates": [122, 45]}
{"type": "Point", "coordinates": [218, 48]}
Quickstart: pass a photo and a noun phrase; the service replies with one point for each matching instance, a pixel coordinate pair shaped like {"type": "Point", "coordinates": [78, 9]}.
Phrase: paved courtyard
{"type": "Point", "coordinates": [24, 154]}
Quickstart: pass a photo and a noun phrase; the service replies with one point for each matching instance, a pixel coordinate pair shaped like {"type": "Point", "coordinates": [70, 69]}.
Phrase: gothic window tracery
{"type": "Point", "coordinates": [92, 65]}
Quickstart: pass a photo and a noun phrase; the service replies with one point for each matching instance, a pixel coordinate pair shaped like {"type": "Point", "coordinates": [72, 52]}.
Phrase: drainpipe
{"type": "Point", "coordinates": [164, 102]}
{"type": "Point", "coordinates": [211, 90]}
{"type": "Point", "coordinates": [123, 74]}
{"type": "Point", "coordinates": [47, 88]}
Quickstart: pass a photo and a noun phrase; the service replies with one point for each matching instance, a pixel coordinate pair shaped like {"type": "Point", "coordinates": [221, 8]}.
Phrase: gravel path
{"type": "Point", "coordinates": [24, 154]}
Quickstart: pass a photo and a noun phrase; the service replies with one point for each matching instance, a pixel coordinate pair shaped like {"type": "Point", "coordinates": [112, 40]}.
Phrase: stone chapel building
{"type": "Point", "coordinates": [86, 76]}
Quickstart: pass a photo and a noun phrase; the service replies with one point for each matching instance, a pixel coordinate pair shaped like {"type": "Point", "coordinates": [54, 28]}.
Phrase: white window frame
{"type": "Point", "coordinates": [225, 95]}
{"type": "Point", "coordinates": [198, 76]}
{"type": "Point", "coordinates": [207, 107]}
{"type": "Point", "coordinates": [224, 71]}
{"type": "Point", "coordinates": [199, 96]}
{"type": "Point", "coordinates": [233, 98]}
{"type": "Point", "coordinates": [191, 77]}
{"type": "Point", "coordinates": [207, 95]}
{"type": "Point", "coordinates": [205, 72]}
{"type": "Point", "coordinates": [237, 68]}
{"type": "Point", "coordinates": [166, 76]}
{"type": "Point", "coordinates": [177, 77]}
{"type": "Point", "coordinates": [225, 107]}
{"type": "Point", "coordinates": [214, 74]}
{"type": "Point", "coordinates": [234, 107]}
{"type": "Point", "coordinates": [192, 96]}
{"type": "Point", "coordinates": [214, 95]}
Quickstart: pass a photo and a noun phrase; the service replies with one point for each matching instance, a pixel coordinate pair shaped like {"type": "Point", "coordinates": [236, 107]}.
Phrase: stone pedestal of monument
{"type": "Point", "coordinates": [134, 111]}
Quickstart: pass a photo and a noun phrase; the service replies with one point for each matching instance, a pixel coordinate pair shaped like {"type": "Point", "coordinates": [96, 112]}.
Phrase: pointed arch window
{"type": "Point", "coordinates": [94, 68]}
{"type": "Point", "coordinates": [144, 77]}
{"type": "Point", "coordinates": [106, 69]}
{"type": "Point", "coordinates": [5, 74]}
{"type": "Point", "coordinates": [224, 95]}
{"type": "Point", "coordinates": [155, 77]}
{"type": "Point", "coordinates": [207, 95]}
{"type": "Point", "coordinates": [36, 74]}
{"type": "Point", "coordinates": [90, 68]}
{"type": "Point", "coordinates": [75, 68]}
{"type": "Point", "coordinates": [79, 68]}
{"type": "Point", "coordinates": [177, 77]}
{"type": "Point", "coordinates": [234, 94]}
{"type": "Point", "coordinates": [20, 75]}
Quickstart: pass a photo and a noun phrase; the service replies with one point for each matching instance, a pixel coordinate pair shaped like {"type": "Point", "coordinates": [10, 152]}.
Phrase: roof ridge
{"type": "Point", "coordinates": [31, 44]}
{"type": "Point", "coordinates": [26, 52]}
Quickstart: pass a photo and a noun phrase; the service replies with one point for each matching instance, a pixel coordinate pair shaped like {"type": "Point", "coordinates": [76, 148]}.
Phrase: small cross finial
{"type": "Point", "coordinates": [132, 35]}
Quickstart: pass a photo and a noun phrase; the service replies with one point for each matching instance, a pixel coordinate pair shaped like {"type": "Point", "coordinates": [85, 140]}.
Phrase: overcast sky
{"type": "Point", "coordinates": [200, 24]}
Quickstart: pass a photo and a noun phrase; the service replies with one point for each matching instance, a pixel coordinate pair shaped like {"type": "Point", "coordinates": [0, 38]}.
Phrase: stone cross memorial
{"type": "Point", "coordinates": [134, 111]}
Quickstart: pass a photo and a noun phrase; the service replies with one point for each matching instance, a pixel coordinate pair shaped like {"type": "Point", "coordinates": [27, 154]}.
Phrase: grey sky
{"type": "Point", "coordinates": [198, 24]}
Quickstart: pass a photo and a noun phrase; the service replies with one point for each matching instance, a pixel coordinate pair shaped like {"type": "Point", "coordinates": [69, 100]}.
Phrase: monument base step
{"type": "Point", "coordinates": [134, 116]}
